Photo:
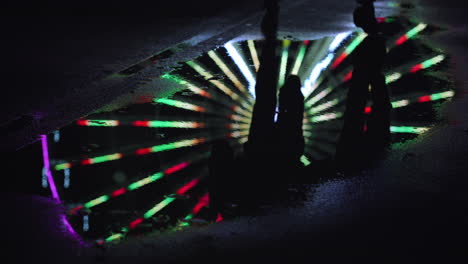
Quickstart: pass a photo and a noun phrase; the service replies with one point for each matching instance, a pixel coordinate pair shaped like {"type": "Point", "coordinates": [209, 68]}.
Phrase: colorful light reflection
{"type": "Point", "coordinates": [239, 61]}
{"type": "Point", "coordinates": [360, 37]}
{"type": "Point", "coordinates": [283, 62]}
{"type": "Point", "coordinates": [180, 104]}
{"type": "Point", "coordinates": [253, 54]}
{"type": "Point", "coordinates": [158, 207]}
{"type": "Point", "coordinates": [408, 129]}
{"type": "Point", "coordinates": [227, 71]}
{"type": "Point", "coordinates": [195, 89]}
{"type": "Point", "coordinates": [413, 32]}
{"type": "Point", "coordinates": [428, 63]}
{"type": "Point", "coordinates": [300, 57]}
{"type": "Point", "coordinates": [169, 124]}
{"type": "Point", "coordinates": [326, 117]}
{"type": "Point", "coordinates": [103, 123]}
{"type": "Point", "coordinates": [210, 77]}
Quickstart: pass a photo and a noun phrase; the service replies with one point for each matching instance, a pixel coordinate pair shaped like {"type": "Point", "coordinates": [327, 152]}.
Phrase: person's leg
{"type": "Point", "coordinates": [221, 163]}
{"type": "Point", "coordinates": [351, 139]}
{"type": "Point", "coordinates": [378, 128]}
{"type": "Point", "coordinates": [259, 147]}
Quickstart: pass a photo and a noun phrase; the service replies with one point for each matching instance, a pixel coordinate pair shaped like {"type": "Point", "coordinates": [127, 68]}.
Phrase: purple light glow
{"type": "Point", "coordinates": [45, 156]}
{"type": "Point", "coordinates": [53, 188]}
{"type": "Point", "coordinates": [69, 227]}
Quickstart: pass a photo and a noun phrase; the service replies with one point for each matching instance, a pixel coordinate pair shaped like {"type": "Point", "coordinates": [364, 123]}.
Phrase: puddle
{"type": "Point", "coordinates": [147, 158]}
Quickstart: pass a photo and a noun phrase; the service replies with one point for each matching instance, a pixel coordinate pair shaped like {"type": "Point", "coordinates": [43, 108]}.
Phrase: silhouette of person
{"type": "Point", "coordinates": [259, 148]}
{"type": "Point", "coordinates": [273, 147]}
{"type": "Point", "coordinates": [367, 59]}
{"type": "Point", "coordinates": [221, 164]}
{"type": "Point", "coordinates": [289, 125]}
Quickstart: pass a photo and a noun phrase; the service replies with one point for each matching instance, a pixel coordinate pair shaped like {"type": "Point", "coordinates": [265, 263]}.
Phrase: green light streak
{"type": "Point", "coordinates": [174, 124]}
{"type": "Point", "coordinates": [240, 119]}
{"type": "Point", "coordinates": [307, 134]}
{"type": "Point", "coordinates": [284, 62]}
{"type": "Point", "coordinates": [305, 160]}
{"type": "Point", "coordinates": [145, 181]}
{"type": "Point", "coordinates": [188, 217]}
{"type": "Point", "coordinates": [240, 133]}
{"type": "Point", "coordinates": [400, 103]}
{"type": "Point", "coordinates": [114, 237]}
{"type": "Point", "coordinates": [174, 145]}
{"type": "Point", "coordinates": [324, 106]}
{"type": "Point", "coordinates": [195, 89]}
{"type": "Point", "coordinates": [355, 42]}
{"type": "Point", "coordinates": [392, 77]}
{"type": "Point", "coordinates": [62, 166]}
{"type": "Point", "coordinates": [326, 117]}
{"type": "Point", "coordinates": [299, 59]}
{"type": "Point", "coordinates": [99, 200]}
{"type": "Point", "coordinates": [443, 95]}
{"type": "Point", "coordinates": [433, 61]}
{"type": "Point", "coordinates": [102, 123]}
{"type": "Point", "coordinates": [158, 207]}
{"type": "Point", "coordinates": [318, 97]}
{"type": "Point", "coordinates": [179, 104]}
{"type": "Point", "coordinates": [240, 126]}
{"type": "Point", "coordinates": [105, 158]}
{"type": "Point", "coordinates": [413, 32]}
{"type": "Point", "coordinates": [173, 78]}
{"type": "Point", "coordinates": [408, 129]}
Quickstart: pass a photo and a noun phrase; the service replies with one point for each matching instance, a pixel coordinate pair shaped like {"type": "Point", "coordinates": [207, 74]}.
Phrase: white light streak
{"type": "Point", "coordinates": [338, 40]}
{"type": "Point", "coordinates": [236, 56]}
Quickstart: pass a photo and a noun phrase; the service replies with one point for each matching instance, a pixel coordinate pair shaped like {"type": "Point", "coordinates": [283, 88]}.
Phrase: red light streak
{"type": "Point", "coordinates": [339, 60]}
{"type": "Point", "coordinates": [380, 19]}
{"type": "Point", "coordinates": [348, 76]}
{"type": "Point", "coordinates": [143, 151]}
{"type": "Point", "coordinates": [141, 123]}
{"type": "Point", "coordinates": [118, 192]}
{"type": "Point", "coordinates": [423, 99]}
{"type": "Point", "coordinates": [136, 223]}
{"type": "Point", "coordinates": [82, 122]}
{"type": "Point", "coordinates": [87, 162]}
{"type": "Point", "coordinates": [176, 168]}
{"type": "Point", "coordinates": [219, 218]}
{"type": "Point", "coordinates": [74, 210]}
{"type": "Point", "coordinates": [204, 201]}
{"type": "Point", "coordinates": [416, 68]}
{"type": "Point", "coordinates": [401, 40]}
{"type": "Point", "coordinates": [187, 187]}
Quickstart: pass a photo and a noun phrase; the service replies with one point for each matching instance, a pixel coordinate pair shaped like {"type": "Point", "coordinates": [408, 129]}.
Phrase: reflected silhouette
{"type": "Point", "coordinates": [360, 142]}
{"type": "Point", "coordinates": [220, 175]}
{"type": "Point", "coordinates": [273, 150]}
{"type": "Point", "coordinates": [289, 126]}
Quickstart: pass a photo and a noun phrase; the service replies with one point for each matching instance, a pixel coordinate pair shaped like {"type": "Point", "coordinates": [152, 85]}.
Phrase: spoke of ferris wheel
{"type": "Point", "coordinates": [202, 138]}
{"type": "Point", "coordinates": [220, 63]}
{"type": "Point", "coordinates": [283, 62]}
{"type": "Point", "coordinates": [242, 65]}
{"type": "Point", "coordinates": [254, 54]}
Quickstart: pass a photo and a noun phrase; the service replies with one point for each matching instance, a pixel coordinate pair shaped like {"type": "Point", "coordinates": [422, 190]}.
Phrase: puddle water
{"type": "Point", "coordinates": [143, 167]}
